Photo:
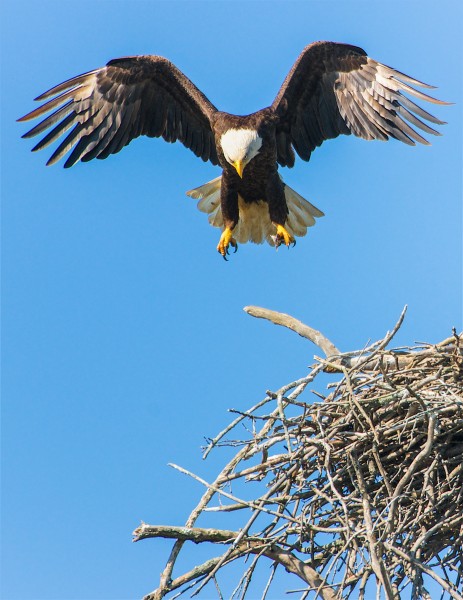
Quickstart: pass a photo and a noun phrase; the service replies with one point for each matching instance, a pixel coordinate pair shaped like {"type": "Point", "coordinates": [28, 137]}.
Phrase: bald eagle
{"type": "Point", "coordinates": [332, 89]}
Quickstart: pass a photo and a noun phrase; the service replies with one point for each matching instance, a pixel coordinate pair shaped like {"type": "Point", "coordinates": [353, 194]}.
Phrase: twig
{"type": "Point", "coordinates": [444, 584]}
{"type": "Point", "coordinates": [411, 470]}
{"type": "Point", "coordinates": [376, 563]}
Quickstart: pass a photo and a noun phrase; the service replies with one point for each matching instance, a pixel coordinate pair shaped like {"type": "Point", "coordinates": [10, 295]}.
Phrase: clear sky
{"type": "Point", "coordinates": [124, 339]}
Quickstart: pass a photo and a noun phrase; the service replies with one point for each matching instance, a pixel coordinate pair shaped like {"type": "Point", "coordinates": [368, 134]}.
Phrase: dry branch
{"type": "Point", "coordinates": [291, 323]}
{"type": "Point", "coordinates": [250, 545]}
{"type": "Point", "coordinates": [357, 494]}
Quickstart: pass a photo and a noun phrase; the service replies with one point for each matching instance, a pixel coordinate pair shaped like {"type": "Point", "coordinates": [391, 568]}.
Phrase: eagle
{"type": "Point", "coordinates": [332, 89]}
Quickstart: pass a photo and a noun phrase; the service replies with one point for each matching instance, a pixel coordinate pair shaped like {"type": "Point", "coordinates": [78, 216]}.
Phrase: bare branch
{"type": "Point", "coordinates": [246, 545]}
{"type": "Point", "coordinates": [357, 486]}
{"type": "Point", "coordinates": [193, 534]}
{"type": "Point", "coordinates": [291, 323]}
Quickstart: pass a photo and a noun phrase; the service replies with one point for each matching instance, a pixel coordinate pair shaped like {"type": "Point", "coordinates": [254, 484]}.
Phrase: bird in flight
{"type": "Point", "coordinates": [332, 89]}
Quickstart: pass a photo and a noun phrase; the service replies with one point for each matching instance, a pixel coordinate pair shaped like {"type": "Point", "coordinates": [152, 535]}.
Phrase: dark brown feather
{"type": "Point", "coordinates": [335, 89]}
{"type": "Point", "coordinates": [129, 97]}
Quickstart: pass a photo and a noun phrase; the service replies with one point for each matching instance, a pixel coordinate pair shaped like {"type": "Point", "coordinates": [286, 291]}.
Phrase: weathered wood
{"type": "Point", "coordinates": [361, 487]}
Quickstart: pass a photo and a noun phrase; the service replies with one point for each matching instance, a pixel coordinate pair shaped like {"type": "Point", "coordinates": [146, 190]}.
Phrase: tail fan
{"type": "Point", "coordinates": [254, 224]}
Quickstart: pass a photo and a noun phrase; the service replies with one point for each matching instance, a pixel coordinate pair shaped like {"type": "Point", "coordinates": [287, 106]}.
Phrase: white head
{"type": "Point", "coordinates": [240, 146]}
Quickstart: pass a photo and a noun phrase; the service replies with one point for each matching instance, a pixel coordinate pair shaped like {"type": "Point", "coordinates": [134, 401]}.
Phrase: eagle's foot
{"type": "Point", "coordinates": [226, 240]}
{"type": "Point", "coordinates": [283, 237]}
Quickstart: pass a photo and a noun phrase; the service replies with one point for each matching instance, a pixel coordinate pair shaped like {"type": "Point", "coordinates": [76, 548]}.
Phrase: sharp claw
{"type": "Point", "coordinates": [226, 240]}
{"type": "Point", "coordinates": [283, 237]}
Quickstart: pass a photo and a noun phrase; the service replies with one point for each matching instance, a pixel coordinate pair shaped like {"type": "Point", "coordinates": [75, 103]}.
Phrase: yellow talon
{"type": "Point", "coordinates": [226, 240]}
{"type": "Point", "coordinates": [283, 236]}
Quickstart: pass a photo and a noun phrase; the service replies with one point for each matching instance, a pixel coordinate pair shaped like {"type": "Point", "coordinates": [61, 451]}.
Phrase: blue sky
{"type": "Point", "coordinates": [124, 339]}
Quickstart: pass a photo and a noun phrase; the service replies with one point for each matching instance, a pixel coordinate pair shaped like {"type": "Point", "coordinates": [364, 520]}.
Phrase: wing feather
{"type": "Point", "coordinates": [99, 134]}
{"type": "Point", "coordinates": [88, 130]}
{"type": "Point", "coordinates": [335, 89]}
{"type": "Point", "coordinates": [401, 110]}
{"type": "Point", "coordinates": [108, 107]}
{"type": "Point", "coordinates": [74, 82]}
{"type": "Point", "coordinates": [55, 133]}
{"type": "Point", "coordinates": [66, 144]}
{"type": "Point", "coordinates": [60, 113]}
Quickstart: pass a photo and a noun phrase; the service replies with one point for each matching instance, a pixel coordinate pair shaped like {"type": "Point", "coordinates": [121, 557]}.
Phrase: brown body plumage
{"type": "Point", "coordinates": [332, 89]}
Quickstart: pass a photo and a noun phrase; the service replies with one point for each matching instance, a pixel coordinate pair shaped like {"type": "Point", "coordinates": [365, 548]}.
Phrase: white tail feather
{"type": "Point", "coordinates": [254, 224]}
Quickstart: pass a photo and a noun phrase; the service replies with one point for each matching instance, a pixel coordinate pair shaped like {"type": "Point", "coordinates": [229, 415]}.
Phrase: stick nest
{"type": "Point", "coordinates": [355, 489]}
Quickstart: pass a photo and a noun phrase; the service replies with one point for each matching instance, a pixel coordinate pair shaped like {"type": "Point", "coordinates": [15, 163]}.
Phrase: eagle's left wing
{"type": "Point", "coordinates": [336, 89]}
{"type": "Point", "coordinates": [107, 108]}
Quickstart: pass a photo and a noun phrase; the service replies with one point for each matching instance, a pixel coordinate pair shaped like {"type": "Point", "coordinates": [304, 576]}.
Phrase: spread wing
{"type": "Point", "coordinates": [129, 97]}
{"type": "Point", "coordinates": [336, 89]}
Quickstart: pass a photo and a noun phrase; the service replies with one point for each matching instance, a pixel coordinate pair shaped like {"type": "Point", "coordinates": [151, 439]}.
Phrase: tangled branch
{"type": "Point", "coordinates": [356, 488]}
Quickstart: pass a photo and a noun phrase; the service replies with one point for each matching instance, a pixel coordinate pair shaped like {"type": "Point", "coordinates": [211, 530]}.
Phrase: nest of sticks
{"type": "Point", "coordinates": [356, 490]}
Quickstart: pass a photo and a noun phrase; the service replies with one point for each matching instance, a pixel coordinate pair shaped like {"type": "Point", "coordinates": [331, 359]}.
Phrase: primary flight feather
{"type": "Point", "coordinates": [332, 89]}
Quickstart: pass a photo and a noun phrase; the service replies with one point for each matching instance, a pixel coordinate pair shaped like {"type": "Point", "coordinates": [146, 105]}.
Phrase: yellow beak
{"type": "Point", "coordinates": [239, 166]}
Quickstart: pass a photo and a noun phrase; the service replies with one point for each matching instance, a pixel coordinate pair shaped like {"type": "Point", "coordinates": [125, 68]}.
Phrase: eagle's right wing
{"type": "Point", "coordinates": [129, 97]}
{"type": "Point", "coordinates": [336, 89]}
